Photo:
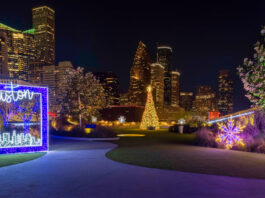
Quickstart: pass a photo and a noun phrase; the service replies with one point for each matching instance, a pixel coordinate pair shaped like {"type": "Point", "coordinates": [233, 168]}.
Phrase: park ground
{"type": "Point", "coordinates": [164, 150]}
{"type": "Point", "coordinates": [81, 169]}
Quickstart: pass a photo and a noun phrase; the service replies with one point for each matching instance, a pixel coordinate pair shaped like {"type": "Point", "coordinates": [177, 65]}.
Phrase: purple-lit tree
{"type": "Point", "coordinates": [26, 110]}
{"type": "Point", "coordinates": [252, 74]}
{"type": "Point", "coordinates": [6, 112]}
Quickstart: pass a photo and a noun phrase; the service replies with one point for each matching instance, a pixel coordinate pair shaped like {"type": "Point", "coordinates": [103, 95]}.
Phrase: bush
{"type": "Point", "coordinates": [187, 128]}
{"type": "Point", "coordinates": [205, 137]}
{"type": "Point", "coordinates": [98, 132]}
{"type": "Point", "coordinates": [259, 120]}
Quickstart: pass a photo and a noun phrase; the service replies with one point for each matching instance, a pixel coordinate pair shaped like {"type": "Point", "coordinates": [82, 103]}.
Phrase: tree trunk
{"type": "Point", "coordinates": [80, 116]}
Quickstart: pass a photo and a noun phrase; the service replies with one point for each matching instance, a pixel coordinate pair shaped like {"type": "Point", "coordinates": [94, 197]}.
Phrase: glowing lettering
{"type": "Point", "coordinates": [9, 96]}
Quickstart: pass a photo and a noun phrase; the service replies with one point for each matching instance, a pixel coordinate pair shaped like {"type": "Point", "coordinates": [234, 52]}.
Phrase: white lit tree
{"type": "Point", "coordinates": [252, 74]}
{"type": "Point", "coordinates": [84, 95]}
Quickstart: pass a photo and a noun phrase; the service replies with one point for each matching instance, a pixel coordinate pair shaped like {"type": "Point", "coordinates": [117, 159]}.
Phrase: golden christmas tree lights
{"type": "Point", "coordinates": [150, 118]}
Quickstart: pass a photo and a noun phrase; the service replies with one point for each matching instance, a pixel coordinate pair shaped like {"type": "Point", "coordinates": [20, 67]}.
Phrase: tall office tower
{"type": "Point", "coordinates": [157, 83]}
{"type": "Point", "coordinates": [49, 79]}
{"type": "Point", "coordinates": [139, 76]}
{"type": "Point", "coordinates": [164, 57]}
{"type": "Point", "coordinates": [225, 92]}
{"type": "Point", "coordinates": [3, 55]}
{"type": "Point", "coordinates": [175, 75]}
{"type": "Point", "coordinates": [21, 51]}
{"type": "Point", "coordinates": [205, 101]}
{"type": "Point", "coordinates": [110, 83]}
{"type": "Point", "coordinates": [62, 70]}
{"type": "Point", "coordinates": [186, 100]}
{"type": "Point", "coordinates": [124, 99]}
{"type": "Point", "coordinates": [44, 26]}
{"type": "Point", "coordinates": [35, 73]}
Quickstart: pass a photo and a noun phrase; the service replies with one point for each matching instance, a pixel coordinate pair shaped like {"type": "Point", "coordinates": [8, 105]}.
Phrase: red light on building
{"type": "Point", "coordinates": [213, 115]}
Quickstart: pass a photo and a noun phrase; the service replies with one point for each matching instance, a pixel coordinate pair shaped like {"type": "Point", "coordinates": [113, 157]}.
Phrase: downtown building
{"type": "Point", "coordinates": [140, 76]}
{"type": "Point", "coordinates": [175, 77]}
{"type": "Point", "coordinates": [205, 101]}
{"type": "Point", "coordinates": [17, 51]}
{"type": "Point", "coordinates": [157, 83]}
{"type": "Point", "coordinates": [225, 93]}
{"type": "Point", "coordinates": [164, 57]}
{"type": "Point", "coordinates": [111, 86]}
{"type": "Point", "coordinates": [22, 51]}
{"type": "Point", "coordinates": [171, 77]}
{"type": "Point", "coordinates": [186, 100]}
{"type": "Point", "coordinates": [51, 76]}
{"type": "Point", "coordinates": [43, 20]}
{"type": "Point", "coordinates": [3, 55]}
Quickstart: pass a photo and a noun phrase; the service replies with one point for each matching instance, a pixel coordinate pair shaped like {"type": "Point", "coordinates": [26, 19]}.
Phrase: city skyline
{"type": "Point", "coordinates": [193, 39]}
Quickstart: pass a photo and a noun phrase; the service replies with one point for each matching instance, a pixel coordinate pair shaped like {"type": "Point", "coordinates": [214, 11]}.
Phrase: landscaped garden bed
{"type": "Point", "coordinates": [64, 128]}
{"type": "Point", "coordinates": [244, 133]}
{"type": "Point", "coordinates": [165, 150]}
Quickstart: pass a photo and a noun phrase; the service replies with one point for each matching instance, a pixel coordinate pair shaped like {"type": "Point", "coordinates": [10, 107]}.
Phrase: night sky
{"type": "Point", "coordinates": [206, 36]}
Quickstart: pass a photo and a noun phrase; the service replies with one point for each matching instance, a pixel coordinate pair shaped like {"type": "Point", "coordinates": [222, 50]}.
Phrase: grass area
{"type": "Point", "coordinates": [10, 159]}
{"type": "Point", "coordinates": [164, 150]}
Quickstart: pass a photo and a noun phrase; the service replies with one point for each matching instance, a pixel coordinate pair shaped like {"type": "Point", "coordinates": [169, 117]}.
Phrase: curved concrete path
{"type": "Point", "coordinates": [80, 169]}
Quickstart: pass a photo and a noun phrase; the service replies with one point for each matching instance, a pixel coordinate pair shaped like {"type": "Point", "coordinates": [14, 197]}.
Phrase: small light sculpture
{"type": "Point", "coordinates": [121, 119]}
{"type": "Point", "coordinates": [229, 133]}
{"type": "Point", "coordinates": [94, 119]}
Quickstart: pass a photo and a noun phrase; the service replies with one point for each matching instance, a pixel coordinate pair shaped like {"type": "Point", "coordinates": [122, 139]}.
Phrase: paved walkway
{"type": "Point", "coordinates": [80, 169]}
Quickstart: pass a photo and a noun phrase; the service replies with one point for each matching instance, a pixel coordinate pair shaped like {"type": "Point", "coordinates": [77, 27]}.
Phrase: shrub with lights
{"type": "Point", "coordinates": [252, 74]}
{"type": "Point", "coordinates": [246, 133]}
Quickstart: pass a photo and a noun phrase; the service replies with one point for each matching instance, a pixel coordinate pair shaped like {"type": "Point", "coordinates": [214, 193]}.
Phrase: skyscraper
{"type": "Point", "coordinates": [3, 55]}
{"type": "Point", "coordinates": [157, 83]}
{"type": "Point", "coordinates": [62, 70]}
{"type": "Point", "coordinates": [110, 83]}
{"type": "Point", "coordinates": [164, 57]}
{"type": "Point", "coordinates": [205, 101]}
{"type": "Point", "coordinates": [186, 100]}
{"type": "Point", "coordinates": [139, 76]}
{"type": "Point", "coordinates": [21, 50]}
{"type": "Point", "coordinates": [225, 92]}
{"type": "Point", "coordinates": [49, 74]}
{"type": "Point", "coordinates": [53, 77]}
{"type": "Point", "coordinates": [175, 76]}
{"type": "Point", "coordinates": [43, 19]}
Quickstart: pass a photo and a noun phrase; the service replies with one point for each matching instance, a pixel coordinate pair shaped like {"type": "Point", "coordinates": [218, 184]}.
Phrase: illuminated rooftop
{"type": "Point", "coordinates": [43, 7]}
{"type": "Point", "coordinates": [30, 31]}
{"type": "Point", "coordinates": [3, 26]}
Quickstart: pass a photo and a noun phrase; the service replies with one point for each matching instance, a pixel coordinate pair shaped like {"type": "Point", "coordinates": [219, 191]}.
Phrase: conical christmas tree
{"type": "Point", "coordinates": [150, 118]}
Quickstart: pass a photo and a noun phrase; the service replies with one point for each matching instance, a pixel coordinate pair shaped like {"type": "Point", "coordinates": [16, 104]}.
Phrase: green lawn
{"type": "Point", "coordinates": [10, 159]}
{"type": "Point", "coordinates": [164, 150]}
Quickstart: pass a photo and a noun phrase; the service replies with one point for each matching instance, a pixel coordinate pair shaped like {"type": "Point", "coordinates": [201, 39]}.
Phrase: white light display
{"type": "Point", "coordinates": [10, 95]}
{"type": "Point", "coordinates": [23, 118]}
{"type": "Point", "coordinates": [94, 119]}
{"type": "Point", "coordinates": [17, 140]}
{"type": "Point", "coordinates": [121, 119]}
{"type": "Point", "coordinates": [181, 121]}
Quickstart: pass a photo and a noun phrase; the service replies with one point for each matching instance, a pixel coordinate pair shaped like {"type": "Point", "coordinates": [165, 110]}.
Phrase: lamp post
{"type": "Point", "coordinates": [181, 123]}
